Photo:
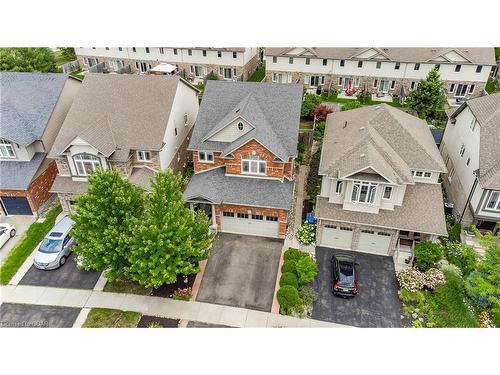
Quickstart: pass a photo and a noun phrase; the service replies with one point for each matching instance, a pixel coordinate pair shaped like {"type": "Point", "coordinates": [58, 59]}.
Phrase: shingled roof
{"type": "Point", "coordinates": [27, 101]}
{"type": "Point", "coordinates": [272, 109]}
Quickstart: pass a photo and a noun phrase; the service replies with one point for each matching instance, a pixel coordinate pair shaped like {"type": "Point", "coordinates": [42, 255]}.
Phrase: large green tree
{"type": "Point", "coordinates": [170, 239]}
{"type": "Point", "coordinates": [68, 53]}
{"type": "Point", "coordinates": [428, 98]}
{"type": "Point", "coordinates": [27, 60]}
{"type": "Point", "coordinates": [106, 218]}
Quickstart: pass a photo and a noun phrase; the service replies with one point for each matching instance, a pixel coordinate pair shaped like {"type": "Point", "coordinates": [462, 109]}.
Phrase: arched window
{"type": "Point", "coordinates": [86, 163]}
{"type": "Point", "coordinates": [253, 164]}
{"type": "Point", "coordinates": [240, 126]}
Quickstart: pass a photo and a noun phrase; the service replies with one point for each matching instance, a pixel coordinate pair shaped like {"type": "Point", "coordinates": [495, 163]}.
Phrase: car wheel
{"type": "Point", "coordinates": [62, 260]}
{"type": "Point", "coordinates": [12, 233]}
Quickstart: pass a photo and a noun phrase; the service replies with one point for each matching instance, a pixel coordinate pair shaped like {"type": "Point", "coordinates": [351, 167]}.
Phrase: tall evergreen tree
{"type": "Point", "coordinates": [170, 239]}
{"type": "Point", "coordinates": [428, 98]}
{"type": "Point", "coordinates": [27, 60]}
{"type": "Point", "coordinates": [106, 218]}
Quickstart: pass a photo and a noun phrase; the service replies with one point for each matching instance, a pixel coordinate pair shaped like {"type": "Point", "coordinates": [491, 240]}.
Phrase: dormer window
{"type": "Point", "coordinates": [253, 164]}
{"type": "Point", "coordinates": [363, 192]}
{"type": "Point", "coordinates": [206, 156]}
{"type": "Point", "coordinates": [6, 149]}
{"type": "Point", "coordinates": [240, 126]}
{"type": "Point", "coordinates": [86, 164]}
{"type": "Point", "coordinates": [143, 155]}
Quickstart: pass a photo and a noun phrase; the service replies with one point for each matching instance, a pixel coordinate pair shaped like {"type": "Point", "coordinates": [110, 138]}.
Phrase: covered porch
{"type": "Point", "coordinates": [404, 253]}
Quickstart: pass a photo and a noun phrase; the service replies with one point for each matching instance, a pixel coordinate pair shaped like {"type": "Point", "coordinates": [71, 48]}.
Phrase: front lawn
{"type": "Point", "coordinates": [60, 58]}
{"type": "Point", "coordinates": [110, 318]}
{"type": "Point", "coordinates": [35, 233]}
{"type": "Point", "coordinates": [78, 74]}
{"type": "Point", "coordinates": [259, 74]}
{"type": "Point", "coordinates": [126, 286]}
{"type": "Point", "coordinates": [366, 101]}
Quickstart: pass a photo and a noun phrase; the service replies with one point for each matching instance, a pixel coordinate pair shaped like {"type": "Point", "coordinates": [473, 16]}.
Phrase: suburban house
{"type": "Point", "coordinates": [194, 63]}
{"type": "Point", "coordinates": [244, 144]}
{"type": "Point", "coordinates": [471, 150]}
{"type": "Point", "coordinates": [383, 72]}
{"type": "Point", "coordinates": [33, 107]}
{"type": "Point", "coordinates": [135, 124]}
{"type": "Point", "coordinates": [380, 189]}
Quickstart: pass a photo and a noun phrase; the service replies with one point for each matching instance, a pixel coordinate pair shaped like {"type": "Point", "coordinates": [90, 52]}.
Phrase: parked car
{"type": "Point", "coordinates": [56, 247]}
{"type": "Point", "coordinates": [345, 275]}
{"type": "Point", "coordinates": [7, 231]}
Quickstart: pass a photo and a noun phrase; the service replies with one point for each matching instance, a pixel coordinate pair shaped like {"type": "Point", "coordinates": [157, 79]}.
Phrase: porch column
{"type": "Point", "coordinates": [214, 221]}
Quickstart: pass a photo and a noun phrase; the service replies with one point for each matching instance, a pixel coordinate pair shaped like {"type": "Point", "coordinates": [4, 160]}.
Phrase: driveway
{"type": "Point", "coordinates": [36, 316]}
{"type": "Point", "coordinates": [67, 276]}
{"type": "Point", "coordinates": [377, 303]}
{"type": "Point", "coordinates": [21, 223]}
{"type": "Point", "coordinates": [241, 272]}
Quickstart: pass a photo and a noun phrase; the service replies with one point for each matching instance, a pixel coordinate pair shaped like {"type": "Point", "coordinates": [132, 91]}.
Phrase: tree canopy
{"type": "Point", "coordinates": [27, 60]}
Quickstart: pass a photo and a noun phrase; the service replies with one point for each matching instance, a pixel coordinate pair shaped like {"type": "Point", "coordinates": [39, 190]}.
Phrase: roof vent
{"type": "Point", "coordinates": [362, 156]}
{"type": "Point", "coordinates": [362, 128]}
{"type": "Point", "coordinates": [237, 110]}
{"type": "Point", "coordinates": [345, 124]}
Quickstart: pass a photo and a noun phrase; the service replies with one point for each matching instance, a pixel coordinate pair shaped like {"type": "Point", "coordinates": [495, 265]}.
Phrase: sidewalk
{"type": "Point", "coordinates": [157, 306]}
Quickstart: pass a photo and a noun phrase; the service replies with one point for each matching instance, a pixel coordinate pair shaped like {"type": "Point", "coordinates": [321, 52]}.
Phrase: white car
{"type": "Point", "coordinates": [7, 231]}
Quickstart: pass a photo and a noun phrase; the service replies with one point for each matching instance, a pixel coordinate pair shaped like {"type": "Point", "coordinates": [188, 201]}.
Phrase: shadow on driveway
{"type": "Point", "coordinates": [67, 276]}
{"type": "Point", "coordinates": [241, 272]}
{"type": "Point", "coordinates": [377, 303]}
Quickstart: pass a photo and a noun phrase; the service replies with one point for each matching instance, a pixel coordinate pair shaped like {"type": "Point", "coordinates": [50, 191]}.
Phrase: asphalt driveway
{"type": "Point", "coordinates": [35, 316]}
{"type": "Point", "coordinates": [377, 303]}
{"type": "Point", "coordinates": [67, 276]}
{"type": "Point", "coordinates": [241, 272]}
{"type": "Point", "coordinates": [21, 223]}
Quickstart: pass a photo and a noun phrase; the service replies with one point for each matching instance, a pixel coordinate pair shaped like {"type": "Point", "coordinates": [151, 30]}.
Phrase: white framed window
{"type": "Point", "coordinates": [257, 217]}
{"type": "Point", "coordinates": [308, 61]}
{"type": "Point", "coordinates": [228, 214]}
{"type": "Point", "coordinates": [6, 149]}
{"type": "Point", "coordinates": [324, 62]}
{"type": "Point", "coordinates": [494, 201]}
{"type": "Point", "coordinates": [271, 218]}
{"type": "Point", "coordinates": [393, 84]}
{"type": "Point", "coordinates": [338, 187]}
{"type": "Point", "coordinates": [458, 68]}
{"type": "Point", "coordinates": [462, 150]}
{"type": "Point", "coordinates": [190, 52]}
{"type": "Point", "coordinates": [206, 156]}
{"type": "Point", "coordinates": [479, 68]}
{"type": "Point", "coordinates": [275, 59]}
{"type": "Point", "coordinates": [427, 174]}
{"type": "Point", "coordinates": [341, 80]}
{"type": "Point", "coordinates": [235, 54]}
{"type": "Point", "coordinates": [471, 88]}
{"type": "Point", "coordinates": [451, 173]}
{"type": "Point", "coordinates": [253, 164]}
{"type": "Point", "coordinates": [467, 162]}
{"type": "Point", "coordinates": [162, 51]}
{"type": "Point", "coordinates": [204, 53]}
{"type": "Point", "coordinates": [147, 49]}
{"type": "Point", "coordinates": [198, 70]}
{"type": "Point", "coordinates": [175, 51]}
{"type": "Point", "coordinates": [307, 79]}
{"type": "Point", "coordinates": [219, 54]}
{"type": "Point", "coordinates": [356, 82]}
{"type": "Point", "coordinates": [452, 87]}
{"type": "Point", "coordinates": [379, 64]}
{"type": "Point", "coordinates": [290, 60]}
{"type": "Point", "coordinates": [143, 155]}
{"type": "Point", "coordinates": [241, 215]}
{"type": "Point", "coordinates": [226, 73]}
{"type": "Point", "coordinates": [363, 192]}
{"type": "Point", "coordinates": [86, 163]}
{"type": "Point", "coordinates": [175, 131]}
{"type": "Point", "coordinates": [417, 66]}
{"type": "Point", "coordinates": [397, 65]}
{"type": "Point", "coordinates": [387, 192]}
{"type": "Point", "coordinates": [413, 85]}
{"type": "Point", "coordinates": [437, 66]}
{"type": "Point", "coordinates": [342, 62]}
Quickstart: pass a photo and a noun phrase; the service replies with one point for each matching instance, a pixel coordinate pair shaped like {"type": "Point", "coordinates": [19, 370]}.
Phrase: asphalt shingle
{"type": "Point", "coordinates": [17, 175]}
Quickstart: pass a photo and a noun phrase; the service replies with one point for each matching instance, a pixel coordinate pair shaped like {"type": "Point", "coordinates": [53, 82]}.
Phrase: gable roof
{"type": "Point", "coordinates": [272, 109]}
{"type": "Point", "coordinates": [27, 101]}
{"type": "Point", "coordinates": [486, 110]}
{"type": "Point", "coordinates": [472, 55]}
{"type": "Point", "coordinates": [381, 137]}
{"type": "Point", "coordinates": [119, 111]}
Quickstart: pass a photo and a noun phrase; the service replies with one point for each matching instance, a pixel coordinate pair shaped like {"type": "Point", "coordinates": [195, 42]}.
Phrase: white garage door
{"type": "Point", "coordinates": [259, 225]}
{"type": "Point", "coordinates": [374, 242]}
{"type": "Point", "coordinates": [336, 237]}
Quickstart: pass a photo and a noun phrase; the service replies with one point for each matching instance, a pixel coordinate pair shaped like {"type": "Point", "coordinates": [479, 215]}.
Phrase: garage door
{"type": "Point", "coordinates": [259, 225]}
{"type": "Point", "coordinates": [336, 236]}
{"type": "Point", "coordinates": [374, 242]}
{"type": "Point", "coordinates": [16, 206]}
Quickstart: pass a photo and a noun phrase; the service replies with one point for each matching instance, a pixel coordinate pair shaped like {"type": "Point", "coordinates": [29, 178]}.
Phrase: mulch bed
{"type": "Point", "coordinates": [168, 289]}
{"type": "Point", "coordinates": [146, 320]}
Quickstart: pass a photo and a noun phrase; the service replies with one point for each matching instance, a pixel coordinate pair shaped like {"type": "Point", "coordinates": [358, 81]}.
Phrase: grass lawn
{"type": "Point", "coordinates": [110, 318]}
{"type": "Point", "coordinates": [126, 286]}
{"type": "Point", "coordinates": [259, 74]}
{"type": "Point", "coordinates": [35, 233]}
{"type": "Point", "coordinates": [368, 101]}
{"type": "Point", "coordinates": [305, 126]}
{"type": "Point", "coordinates": [60, 58]}
{"type": "Point", "coordinates": [78, 74]}
{"type": "Point", "coordinates": [491, 88]}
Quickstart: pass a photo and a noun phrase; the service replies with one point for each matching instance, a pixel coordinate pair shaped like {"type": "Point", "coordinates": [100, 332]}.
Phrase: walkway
{"type": "Point", "coordinates": [156, 306]}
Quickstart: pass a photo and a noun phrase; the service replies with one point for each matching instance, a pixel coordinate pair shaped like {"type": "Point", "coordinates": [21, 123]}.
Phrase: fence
{"type": "Point", "coordinates": [306, 138]}
{"type": "Point", "coordinates": [71, 67]}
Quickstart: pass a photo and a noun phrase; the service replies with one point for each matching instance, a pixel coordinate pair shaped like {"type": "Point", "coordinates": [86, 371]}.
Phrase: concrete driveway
{"type": "Point", "coordinates": [21, 223]}
{"type": "Point", "coordinates": [241, 272]}
{"type": "Point", "coordinates": [67, 276]}
{"type": "Point", "coordinates": [36, 316]}
{"type": "Point", "coordinates": [377, 303]}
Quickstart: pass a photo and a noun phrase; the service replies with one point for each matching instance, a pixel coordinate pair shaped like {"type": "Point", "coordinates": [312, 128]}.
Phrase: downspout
{"type": "Point", "coordinates": [474, 185]}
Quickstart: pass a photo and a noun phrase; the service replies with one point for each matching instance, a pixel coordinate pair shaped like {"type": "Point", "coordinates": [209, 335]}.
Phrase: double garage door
{"type": "Point", "coordinates": [259, 225]}
{"type": "Point", "coordinates": [340, 237]}
{"type": "Point", "coordinates": [16, 205]}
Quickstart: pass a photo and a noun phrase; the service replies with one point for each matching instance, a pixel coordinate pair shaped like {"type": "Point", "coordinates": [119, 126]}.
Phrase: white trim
{"type": "Point", "coordinates": [206, 160]}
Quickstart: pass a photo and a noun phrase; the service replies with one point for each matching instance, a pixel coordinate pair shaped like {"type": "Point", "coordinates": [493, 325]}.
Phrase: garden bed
{"type": "Point", "coordinates": [168, 290]}
{"type": "Point", "coordinates": [148, 321]}
{"type": "Point", "coordinates": [126, 286]}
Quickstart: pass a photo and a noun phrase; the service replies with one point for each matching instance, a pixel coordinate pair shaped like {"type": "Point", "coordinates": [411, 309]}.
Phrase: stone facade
{"type": "Point", "coordinates": [281, 214]}
{"type": "Point", "coordinates": [63, 167]}
{"type": "Point", "coordinates": [65, 199]}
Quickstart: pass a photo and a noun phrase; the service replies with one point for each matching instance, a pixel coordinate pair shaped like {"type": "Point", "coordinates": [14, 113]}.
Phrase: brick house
{"type": "Point", "coordinates": [244, 144]}
{"type": "Point", "coordinates": [33, 108]}
{"type": "Point", "coordinates": [135, 124]}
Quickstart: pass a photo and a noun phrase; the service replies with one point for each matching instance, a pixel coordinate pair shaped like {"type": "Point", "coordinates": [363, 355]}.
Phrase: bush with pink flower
{"type": "Point", "coordinates": [433, 277]}
{"type": "Point", "coordinates": [411, 279]}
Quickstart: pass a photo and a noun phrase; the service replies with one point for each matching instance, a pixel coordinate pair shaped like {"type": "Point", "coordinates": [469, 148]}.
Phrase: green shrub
{"type": "Point", "coordinates": [408, 296]}
{"type": "Point", "coordinates": [289, 266]}
{"type": "Point", "coordinates": [301, 147]}
{"type": "Point", "coordinates": [427, 254]}
{"type": "Point", "coordinates": [313, 184]}
{"type": "Point", "coordinates": [461, 255]}
{"type": "Point", "coordinates": [289, 278]}
{"type": "Point", "coordinates": [319, 130]}
{"type": "Point", "coordinates": [454, 234]}
{"type": "Point", "coordinates": [306, 270]}
{"type": "Point", "coordinates": [481, 298]}
{"type": "Point", "coordinates": [288, 298]}
{"type": "Point", "coordinates": [353, 104]}
{"type": "Point", "coordinates": [310, 101]}
{"type": "Point", "coordinates": [292, 254]}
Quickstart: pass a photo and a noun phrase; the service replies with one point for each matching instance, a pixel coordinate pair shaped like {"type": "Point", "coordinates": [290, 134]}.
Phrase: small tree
{"type": "Point", "coordinates": [105, 219]}
{"type": "Point", "coordinates": [212, 76]}
{"type": "Point", "coordinates": [306, 269]}
{"type": "Point", "coordinates": [427, 254]}
{"type": "Point", "coordinates": [353, 104]}
{"type": "Point", "coordinates": [27, 60]}
{"type": "Point", "coordinates": [428, 98]}
{"type": "Point", "coordinates": [320, 112]}
{"type": "Point", "coordinates": [310, 101]}
{"type": "Point", "coordinates": [171, 239]}
{"type": "Point", "coordinates": [68, 53]}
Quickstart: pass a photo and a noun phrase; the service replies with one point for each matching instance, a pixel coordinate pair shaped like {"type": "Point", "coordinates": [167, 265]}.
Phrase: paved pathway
{"type": "Point", "coordinates": [157, 306]}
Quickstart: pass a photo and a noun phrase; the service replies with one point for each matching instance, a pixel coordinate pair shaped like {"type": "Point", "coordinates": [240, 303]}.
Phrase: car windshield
{"type": "Point", "coordinates": [346, 274]}
{"type": "Point", "coordinates": [50, 246]}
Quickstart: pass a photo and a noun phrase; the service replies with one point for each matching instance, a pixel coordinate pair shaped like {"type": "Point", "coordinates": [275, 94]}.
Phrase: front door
{"type": "Point", "coordinates": [347, 83]}
{"type": "Point", "coordinates": [383, 86]}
